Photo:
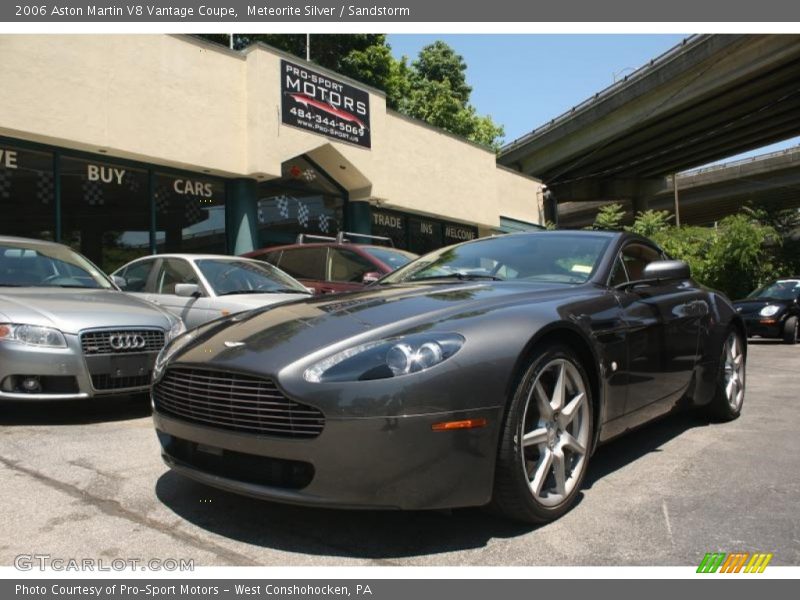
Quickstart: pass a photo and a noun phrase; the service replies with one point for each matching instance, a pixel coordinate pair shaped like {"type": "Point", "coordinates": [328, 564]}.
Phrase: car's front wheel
{"type": "Point", "coordinates": [791, 330]}
{"type": "Point", "coordinates": [546, 439]}
{"type": "Point", "coordinates": [729, 396]}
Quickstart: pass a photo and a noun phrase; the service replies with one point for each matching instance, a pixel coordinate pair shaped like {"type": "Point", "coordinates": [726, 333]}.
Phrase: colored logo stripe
{"type": "Point", "coordinates": [733, 563]}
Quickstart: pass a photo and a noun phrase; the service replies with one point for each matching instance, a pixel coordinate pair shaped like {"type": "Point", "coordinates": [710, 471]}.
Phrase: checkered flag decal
{"type": "Point", "coordinates": [324, 223]}
{"type": "Point", "coordinates": [309, 175]}
{"type": "Point", "coordinates": [192, 211]}
{"type": "Point", "coordinates": [283, 206]}
{"type": "Point", "coordinates": [303, 214]}
{"type": "Point", "coordinates": [5, 184]}
{"type": "Point", "coordinates": [45, 187]}
{"type": "Point", "coordinates": [132, 181]}
{"type": "Point", "coordinates": [93, 193]}
{"type": "Point", "coordinates": [162, 198]}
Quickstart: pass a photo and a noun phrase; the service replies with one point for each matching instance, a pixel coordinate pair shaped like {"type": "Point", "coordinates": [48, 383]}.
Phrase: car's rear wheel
{"type": "Point", "coordinates": [546, 439]}
{"type": "Point", "coordinates": [791, 330]}
{"type": "Point", "coordinates": [729, 396]}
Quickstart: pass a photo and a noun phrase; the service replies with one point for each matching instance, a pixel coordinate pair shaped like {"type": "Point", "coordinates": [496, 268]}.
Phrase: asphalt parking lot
{"type": "Point", "coordinates": [86, 480]}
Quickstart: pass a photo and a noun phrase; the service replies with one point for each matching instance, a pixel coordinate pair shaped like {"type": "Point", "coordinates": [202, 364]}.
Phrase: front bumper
{"type": "Point", "coordinates": [368, 462]}
{"type": "Point", "coordinates": [66, 366]}
{"type": "Point", "coordinates": [764, 327]}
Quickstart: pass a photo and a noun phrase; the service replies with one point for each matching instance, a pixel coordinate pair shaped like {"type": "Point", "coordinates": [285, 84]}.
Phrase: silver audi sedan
{"type": "Point", "coordinates": [67, 332]}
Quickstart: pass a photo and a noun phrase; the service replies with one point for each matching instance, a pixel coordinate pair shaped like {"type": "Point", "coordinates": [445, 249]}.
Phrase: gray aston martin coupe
{"type": "Point", "coordinates": [482, 373]}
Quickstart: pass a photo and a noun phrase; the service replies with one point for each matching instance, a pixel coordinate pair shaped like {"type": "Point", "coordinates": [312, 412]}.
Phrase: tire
{"type": "Point", "coordinates": [790, 330]}
{"type": "Point", "coordinates": [529, 485]}
{"type": "Point", "coordinates": [729, 392]}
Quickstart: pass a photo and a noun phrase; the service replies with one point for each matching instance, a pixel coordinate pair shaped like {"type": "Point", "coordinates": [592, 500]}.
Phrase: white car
{"type": "Point", "coordinates": [201, 287]}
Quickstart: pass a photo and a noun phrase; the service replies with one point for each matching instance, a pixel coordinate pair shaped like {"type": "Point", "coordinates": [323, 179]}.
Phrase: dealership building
{"type": "Point", "coordinates": [124, 145]}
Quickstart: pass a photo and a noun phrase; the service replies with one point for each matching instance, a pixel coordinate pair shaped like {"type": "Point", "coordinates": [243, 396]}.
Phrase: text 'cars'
{"type": "Point", "coordinates": [482, 373]}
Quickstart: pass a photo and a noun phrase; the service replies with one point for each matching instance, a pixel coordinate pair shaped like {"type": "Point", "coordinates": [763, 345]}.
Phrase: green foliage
{"type": "Point", "coordinates": [432, 89]}
{"type": "Point", "coordinates": [735, 257]}
{"type": "Point", "coordinates": [650, 222]}
{"type": "Point", "coordinates": [609, 218]}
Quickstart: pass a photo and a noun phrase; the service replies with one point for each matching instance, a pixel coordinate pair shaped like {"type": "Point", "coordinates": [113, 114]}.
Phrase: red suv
{"type": "Point", "coordinates": [334, 265]}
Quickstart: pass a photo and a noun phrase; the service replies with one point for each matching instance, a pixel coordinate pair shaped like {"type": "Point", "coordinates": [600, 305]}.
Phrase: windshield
{"type": "Point", "coordinates": [535, 257]}
{"type": "Point", "coordinates": [228, 277]}
{"type": "Point", "coordinates": [392, 258]}
{"type": "Point", "coordinates": [783, 289]}
{"type": "Point", "coordinates": [28, 264]}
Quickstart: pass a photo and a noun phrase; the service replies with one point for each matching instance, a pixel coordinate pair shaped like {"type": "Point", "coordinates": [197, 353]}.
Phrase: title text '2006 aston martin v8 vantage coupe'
{"type": "Point", "coordinates": [482, 373]}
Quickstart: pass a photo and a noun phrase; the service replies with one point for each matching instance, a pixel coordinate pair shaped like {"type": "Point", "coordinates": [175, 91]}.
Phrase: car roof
{"type": "Point", "coordinates": [324, 245]}
{"type": "Point", "coordinates": [193, 256]}
{"type": "Point", "coordinates": [13, 239]}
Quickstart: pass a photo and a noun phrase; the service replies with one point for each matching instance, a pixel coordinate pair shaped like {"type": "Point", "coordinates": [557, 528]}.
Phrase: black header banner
{"type": "Point", "coordinates": [409, 11]}
{"type": "Point", "coordinates": [324, 105]}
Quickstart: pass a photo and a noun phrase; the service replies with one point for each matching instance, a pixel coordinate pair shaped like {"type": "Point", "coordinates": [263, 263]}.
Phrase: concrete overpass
{"type": "Point", "coordinates": [710, 97]}
{"type": "Point", "coordinates": [706, 195]}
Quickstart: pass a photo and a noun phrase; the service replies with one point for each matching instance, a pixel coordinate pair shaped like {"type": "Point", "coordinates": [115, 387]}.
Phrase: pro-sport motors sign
{"type": "Point", "coordinates": [324, 105]}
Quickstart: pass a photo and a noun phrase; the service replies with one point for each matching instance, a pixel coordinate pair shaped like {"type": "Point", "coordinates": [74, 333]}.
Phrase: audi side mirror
{"type": "Point", "coordinates": [187, 290]}
{"type": "Point", "coordinates": [666, 270]}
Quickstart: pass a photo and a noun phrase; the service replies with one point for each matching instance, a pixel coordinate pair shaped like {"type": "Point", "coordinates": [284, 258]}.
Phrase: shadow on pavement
{"type": "Point", "coordinates": [383, 535]}
{"type": "Point", "coordinates": [74, 412]}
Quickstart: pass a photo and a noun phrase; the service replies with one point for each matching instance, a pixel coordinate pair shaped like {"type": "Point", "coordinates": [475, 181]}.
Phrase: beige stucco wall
{"type": "Point", "coordinates": [179, 102]}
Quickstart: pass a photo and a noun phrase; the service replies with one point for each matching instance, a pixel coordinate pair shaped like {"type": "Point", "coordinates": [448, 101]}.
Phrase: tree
{"type": "Point", "coordinates": [609, 217]}
{"type": "Point", "coordinates": [433, 88]}
{"type": "Point", "coordinates": [650, 222]}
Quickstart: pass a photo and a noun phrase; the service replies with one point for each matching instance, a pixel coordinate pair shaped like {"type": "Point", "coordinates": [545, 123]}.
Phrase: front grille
{"type": "Point", "coordinates": [99, 342]}
{"type": "Point", "coordinates": [234, 402]}
{"type": "Point", "coordinates": [247, 468]}
{"type": "Point", "coordinates": [107, 382]}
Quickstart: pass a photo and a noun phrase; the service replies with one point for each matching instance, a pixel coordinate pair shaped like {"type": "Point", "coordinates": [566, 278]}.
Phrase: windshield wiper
{"type": "Point", "coordinates": [10, 285]}
{"type": "Point", "coordinates": [459, 276]}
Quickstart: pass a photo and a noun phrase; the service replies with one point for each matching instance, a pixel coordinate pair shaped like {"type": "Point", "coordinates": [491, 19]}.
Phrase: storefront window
{"type": "Point", "coordinates": [105, 211]}
{"type": "Point", "coordinates": [190, 215]}
{"type": "Point", "coordinates": [392, 225]}
{"type": "Point", "coordinates": [303, 200]}
{"type": "Point", "coordinates": [27, 193]}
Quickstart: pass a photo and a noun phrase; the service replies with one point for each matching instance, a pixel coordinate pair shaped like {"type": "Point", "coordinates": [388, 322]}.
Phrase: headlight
{"type": "Point", "coordinates": [177, 329]}
{"type": "Point", "coordinates": [169, 350]}
{"type": "Point", "coordinates": [33, 335]}
{"type": "Point", "coordinates": [769, 310]}
{"type": "Point", "coordinates": [386, 358]}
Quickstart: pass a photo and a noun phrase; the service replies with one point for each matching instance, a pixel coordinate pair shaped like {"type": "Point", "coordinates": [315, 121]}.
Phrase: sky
{"type": "Point", "coordinates": [524, 80]}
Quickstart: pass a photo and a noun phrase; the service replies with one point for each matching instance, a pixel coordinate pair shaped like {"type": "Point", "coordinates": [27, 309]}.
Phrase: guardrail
{"type": "Point", "coordinates": [741, 161]}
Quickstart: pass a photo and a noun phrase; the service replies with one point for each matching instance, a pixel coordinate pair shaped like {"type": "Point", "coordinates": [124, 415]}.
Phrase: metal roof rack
{"type": "Point", "coordinates": [341, 238]}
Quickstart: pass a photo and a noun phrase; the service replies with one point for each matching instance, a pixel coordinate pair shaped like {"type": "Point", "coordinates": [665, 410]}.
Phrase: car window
{"type": "Point", "coordinates": [348, 266]}
{"type": "Point", "coordinates": [304, 263]}
{"type": "Point", "coordinates": [388, 256]}
{"type": "Point", "coordinates": [618, 274]}
{"type": "Point", "coordinates": [172, 272]}
{"type": "Point", "coordinates": [636, 257]}
{"type": "Point", "coordinates": [234, 276]}
{"type": "Point", "coordinates": [136, 275]}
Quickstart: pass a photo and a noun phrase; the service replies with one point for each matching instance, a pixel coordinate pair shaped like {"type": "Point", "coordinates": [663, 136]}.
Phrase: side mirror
{"type": "Point", "coordinates": [370, 277]}
{"type": "Point", "coordinates": [120, 282]}
{"type": "Point", "coordinates": [664, 270]}
{"type": "Point", "coordinates": [310, 290]}
{"type": "Point", "coordinates": [187, 290]}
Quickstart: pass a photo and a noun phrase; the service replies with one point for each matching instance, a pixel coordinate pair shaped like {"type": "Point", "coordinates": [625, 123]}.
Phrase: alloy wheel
{"type": "Point", "coordinates": [555, 432]}
{"type": "Point", "coordinates": [734, 371]}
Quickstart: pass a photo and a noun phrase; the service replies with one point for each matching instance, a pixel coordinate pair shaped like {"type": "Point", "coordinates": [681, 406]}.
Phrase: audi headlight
{"type": "Point", "coordinates": [169, 350]}
{"type": "Point", "coordinates": [32, 335]}
{"type": "Point", "coordinates": [769, 310]}
{"type": "Point", "coordinates": [387, 358]}
{"type": "Point", "coordinates": [177, 329]}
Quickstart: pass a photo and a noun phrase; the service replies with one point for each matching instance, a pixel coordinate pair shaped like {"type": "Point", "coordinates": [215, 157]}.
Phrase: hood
{"type": "Point", "coordinates": [277, 336]}
{"type": "Point", "coordinates": [72, 310]}
{"type": "Point", "coordinates": [754, 305]}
